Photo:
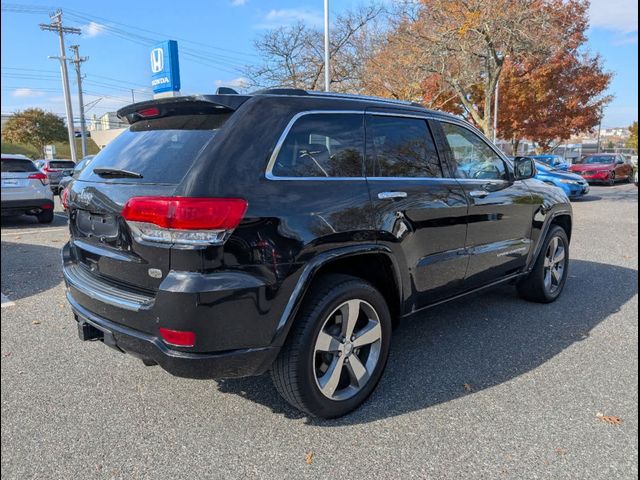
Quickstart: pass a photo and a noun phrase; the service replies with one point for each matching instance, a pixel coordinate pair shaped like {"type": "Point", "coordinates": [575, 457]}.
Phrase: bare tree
{"type": "Point", "coordinates": [293, 56]}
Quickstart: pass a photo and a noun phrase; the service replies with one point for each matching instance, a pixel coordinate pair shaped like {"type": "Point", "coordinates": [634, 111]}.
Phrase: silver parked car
{"type": "Point", "coordinates": [25, 189]}
{"type": "Point", "coordinates": [56, 170]}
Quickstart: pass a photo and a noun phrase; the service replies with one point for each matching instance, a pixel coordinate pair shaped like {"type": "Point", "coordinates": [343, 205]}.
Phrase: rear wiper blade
{"type": "Point", "coordinates": [116, 173]}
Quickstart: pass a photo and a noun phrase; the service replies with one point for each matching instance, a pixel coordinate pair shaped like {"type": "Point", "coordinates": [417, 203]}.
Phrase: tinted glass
{"type": "Point", "coordinates": [402, 147]}
{"type": "Point", "coordinates": [472, 157]}
{"type": "Point", "coordinates": [62, 165]}
{"type": "Point", "coordinates": [162, 150]}
{"type": "Point", "coordinates": [323, 145]}
{"type": "Point", "coordinates": [18, 165]}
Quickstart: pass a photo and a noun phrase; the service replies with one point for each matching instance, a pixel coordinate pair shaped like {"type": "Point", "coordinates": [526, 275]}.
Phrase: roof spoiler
{"type": "Point", "coordinates": [191, 105]}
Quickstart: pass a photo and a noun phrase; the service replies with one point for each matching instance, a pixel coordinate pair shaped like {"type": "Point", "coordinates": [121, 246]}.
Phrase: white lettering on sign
{"type": "Point", "coordinates": [159, 81]}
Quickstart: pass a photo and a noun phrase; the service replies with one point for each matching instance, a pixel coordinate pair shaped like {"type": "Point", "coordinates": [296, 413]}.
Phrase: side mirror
{"type": "Point", "coordinates": [524, 168]}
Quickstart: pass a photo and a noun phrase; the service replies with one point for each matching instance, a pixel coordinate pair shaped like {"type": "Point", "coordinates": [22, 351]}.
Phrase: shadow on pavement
{"type": "Point", "coordinates": [30, 221]}
{"type": "Point", "coordinates": [29, 269]}
{"type": "Point", "coordinates": [483, 340]}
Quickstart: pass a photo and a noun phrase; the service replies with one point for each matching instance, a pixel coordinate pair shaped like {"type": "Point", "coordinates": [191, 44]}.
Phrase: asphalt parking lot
{"type": "Point", "coordinates": [489, 387]}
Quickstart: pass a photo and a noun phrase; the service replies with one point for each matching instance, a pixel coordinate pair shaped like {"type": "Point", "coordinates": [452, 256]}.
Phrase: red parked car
{"type": "Point", "coordinates": [606, 168]}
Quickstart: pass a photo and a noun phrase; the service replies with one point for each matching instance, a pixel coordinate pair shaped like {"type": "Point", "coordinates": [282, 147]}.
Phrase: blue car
{"type": "Point", "coordinates": [553, 161]}
{"type": "Point", "coordinates": [573, 185]}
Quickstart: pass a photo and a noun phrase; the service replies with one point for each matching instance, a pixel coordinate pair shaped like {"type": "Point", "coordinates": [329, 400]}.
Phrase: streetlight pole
{"type": "Point", "coordinates": [495, 112]}
{"type": "Point", "coordinates": [327, 58]}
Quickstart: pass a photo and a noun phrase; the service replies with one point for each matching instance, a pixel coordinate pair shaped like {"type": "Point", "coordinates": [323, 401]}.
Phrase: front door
{"type": "Point", "coordinates": [500, 209]}
{"type": "Point", "coordinates": [420, 214]}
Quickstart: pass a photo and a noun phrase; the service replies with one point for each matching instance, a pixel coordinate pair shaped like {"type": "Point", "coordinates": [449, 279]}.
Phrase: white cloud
{"type": "Point", "coordinates": [238, 3]}
{"type": "Point", "coordinates": [26, 93]}
{"type": "Point", "coordinates": [619, 16]}
{"type": "Point", "coordinates": [239, 83]}
{"type": "Point", "coordinates": [93, 29]}
{"type": "Point", "coordinates": [288, 16]}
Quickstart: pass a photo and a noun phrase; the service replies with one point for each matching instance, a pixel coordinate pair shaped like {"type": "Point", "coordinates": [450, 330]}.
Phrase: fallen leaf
{"type": "Point", "coordinates": [36, 322]}
{"type": "Point", "coordinates": [560, 451]}
{"type": "Point", "coordinates": [309, 458]}
{"type": "Point", "coordinates": [610, 419]}
{"type": "Point", "coordinates": [61, 305]}
{"type": "Point", "coordinates": [468, 387]}
{"type": "Point", "coordinates": [8, 354]}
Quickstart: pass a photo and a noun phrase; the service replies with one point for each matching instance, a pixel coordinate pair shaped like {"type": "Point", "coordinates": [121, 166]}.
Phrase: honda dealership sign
{"type": "Point", "coordinates": [165, 69]}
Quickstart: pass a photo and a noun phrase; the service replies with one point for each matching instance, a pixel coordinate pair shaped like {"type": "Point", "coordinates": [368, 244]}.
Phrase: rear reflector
{"type": "Point", "coordinates": [193, 221]}
{"type": "Point", "coordinates": [39, 176]}
{"type": "Point", "coordinates": [178, 338]}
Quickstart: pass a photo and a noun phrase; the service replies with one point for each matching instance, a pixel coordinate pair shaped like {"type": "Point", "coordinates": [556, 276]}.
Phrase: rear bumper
{"type": "Point", "coordinates": [236, 363]}
{"type": "Point", "coordinates": [229, 313]}
{"type": "Point", "coordinates": [17, 207]}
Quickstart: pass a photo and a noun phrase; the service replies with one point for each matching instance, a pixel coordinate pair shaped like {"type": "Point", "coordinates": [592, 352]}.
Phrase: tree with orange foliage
{"type": "Point", "coordinates": [553, 100]}
{"type": "Point", "coordinates": [451, 54]}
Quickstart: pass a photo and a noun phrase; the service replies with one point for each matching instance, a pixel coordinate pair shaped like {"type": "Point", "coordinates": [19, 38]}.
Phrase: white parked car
{"type": "Point", "coordinates": [25, 189]}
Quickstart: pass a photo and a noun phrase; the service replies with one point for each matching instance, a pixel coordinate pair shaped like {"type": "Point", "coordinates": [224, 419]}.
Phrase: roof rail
{"type": "Point", "coordinates": [365, 97]}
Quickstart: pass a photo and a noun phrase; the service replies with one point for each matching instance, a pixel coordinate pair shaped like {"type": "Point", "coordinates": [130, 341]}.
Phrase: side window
{"type": "Point", "coordinates": [323, 145]}
{"type": "Point", "coordinates": [402, 147]}
{"type": "Point", "coordinates": [473, 158]}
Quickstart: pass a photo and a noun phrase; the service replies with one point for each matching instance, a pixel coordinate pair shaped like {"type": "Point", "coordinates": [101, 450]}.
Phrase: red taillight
{"type": "Point", "coordinates": [178, 338]}
{"type": "Point", "coordinates": [183, 213]}
{"type": "Point", "coordinates": [149, 112]}
{"type": "Point", "coordinates": [196, 221]}
{"type": "Point", "coordinates": [64, 198]}
{"type": "Point", "coordinates": [39, 176]}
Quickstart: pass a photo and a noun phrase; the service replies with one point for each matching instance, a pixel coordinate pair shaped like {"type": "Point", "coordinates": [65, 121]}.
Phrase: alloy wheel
{"type": "Point", "coordinates": [347, 350]}
{"type": "Point", "coordinates": [554, 265]}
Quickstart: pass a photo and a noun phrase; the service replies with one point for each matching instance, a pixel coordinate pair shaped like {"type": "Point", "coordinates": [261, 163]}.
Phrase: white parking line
{"type": "Point", "coordinates": [34, 230]}
{"type": "Point", "coordinates": [6, 302]}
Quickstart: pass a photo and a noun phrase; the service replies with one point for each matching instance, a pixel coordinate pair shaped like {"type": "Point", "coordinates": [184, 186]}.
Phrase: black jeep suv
{"type": "Point", "coordinates": [288, 231]}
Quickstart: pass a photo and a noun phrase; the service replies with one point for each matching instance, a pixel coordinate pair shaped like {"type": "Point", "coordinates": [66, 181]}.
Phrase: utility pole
{"type": "Point", "coordinates": [327, 60]}
{"type": "Point", "coordinates": [133, 96]}
{"type": "Point", "coordinates": [600, 129]}
{"type": "Point", "coordinates": [56, 26]}
{"type": "Point", "coordinates": [77, 61]}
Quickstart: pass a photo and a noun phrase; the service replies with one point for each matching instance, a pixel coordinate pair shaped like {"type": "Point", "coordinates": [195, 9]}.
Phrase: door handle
{"type": "Point", "coordinates": [478, 193]}
{"type": "Point", "coordinates": [392, 195]}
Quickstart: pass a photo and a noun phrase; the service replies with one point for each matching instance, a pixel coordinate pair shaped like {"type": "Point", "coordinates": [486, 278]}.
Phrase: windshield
{"type": "Point", "coordinates": [598, 159]}
{"type": "Point", "coordinates": [159, 150]}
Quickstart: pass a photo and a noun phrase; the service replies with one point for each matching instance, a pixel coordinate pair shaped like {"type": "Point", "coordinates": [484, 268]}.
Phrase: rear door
{"type": "Point", "coordinates": [149, 159]}
{"type": "Point", "coordinates": [420, 213]}
{"type": "Point", "coordinates": [500, 210]}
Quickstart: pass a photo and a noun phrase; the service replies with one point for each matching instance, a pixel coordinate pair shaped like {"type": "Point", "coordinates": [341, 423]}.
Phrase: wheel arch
{"type": "Point", "coordinates": [373, 263]}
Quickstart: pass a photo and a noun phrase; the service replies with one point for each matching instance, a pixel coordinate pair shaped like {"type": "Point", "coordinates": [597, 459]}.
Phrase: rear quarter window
{"type": "Point", "coordinates": [161, 150]}
{"type": "Point", "coordinates": [17, 165]}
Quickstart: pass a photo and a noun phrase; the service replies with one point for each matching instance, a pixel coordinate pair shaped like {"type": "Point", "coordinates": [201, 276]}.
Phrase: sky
{"type": "Point", "coordinates": [215, 40]}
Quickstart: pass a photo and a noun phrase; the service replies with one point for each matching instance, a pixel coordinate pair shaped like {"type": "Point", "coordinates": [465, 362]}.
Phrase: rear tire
{"type": "Point", "coordinates": [45, 217]}
{"type": "Point", "coordinates": [547, 279]}
{"type": "Point", "coordinates": [326, 367]}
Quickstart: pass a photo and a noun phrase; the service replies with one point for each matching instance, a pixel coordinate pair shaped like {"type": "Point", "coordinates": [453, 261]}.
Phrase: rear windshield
{"type": "Point", "coordinates": [17, 165]}
{"type": "Point", "coordinates": [59, 164]}
{"type": "Point", "coordinates": [162, 150]}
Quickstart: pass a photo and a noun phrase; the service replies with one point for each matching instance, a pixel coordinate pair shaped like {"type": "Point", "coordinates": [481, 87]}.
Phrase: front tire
{"type": "Point", "coordinates": [547, 279]}
{"type": "Point", "coordinates": [612, 179]}
{"type": "Point", "coordinates": [337, 348]}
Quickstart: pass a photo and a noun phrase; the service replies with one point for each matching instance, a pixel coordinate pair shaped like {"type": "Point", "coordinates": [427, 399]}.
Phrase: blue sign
{"type": "Point", "coordinates": [165, 69]}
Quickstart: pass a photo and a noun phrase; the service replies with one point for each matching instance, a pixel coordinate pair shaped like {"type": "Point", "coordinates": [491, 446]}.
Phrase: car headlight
{"type": "Point", "coordinates": [570, 182]}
